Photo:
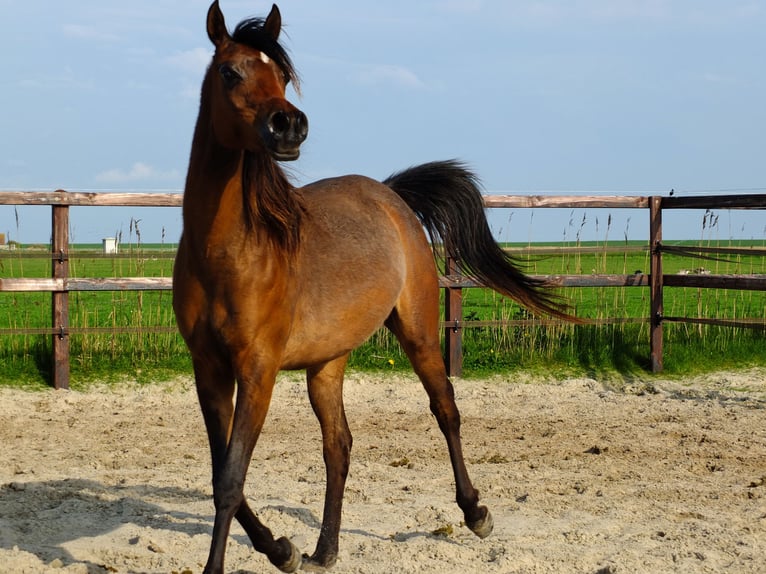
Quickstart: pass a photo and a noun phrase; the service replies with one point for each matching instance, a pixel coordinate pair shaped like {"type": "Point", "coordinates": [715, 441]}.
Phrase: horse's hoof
{"type": "Point", "coordinates": [294, 562]}
{"type": "Point", "coordinates": [484, 526]}
{"type": "Point", "coordinates": [312, 565]}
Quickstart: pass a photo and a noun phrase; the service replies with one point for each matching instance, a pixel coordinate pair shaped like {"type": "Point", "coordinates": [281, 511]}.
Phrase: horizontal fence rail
{"type": "Point", "coordinates": [92, 199]}
{"type": "Point", "coordinates": [60, 284]}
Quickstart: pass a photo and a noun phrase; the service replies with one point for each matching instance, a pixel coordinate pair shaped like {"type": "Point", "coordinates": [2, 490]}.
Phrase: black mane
{"type": "Point", "coordinates": [250, 32]}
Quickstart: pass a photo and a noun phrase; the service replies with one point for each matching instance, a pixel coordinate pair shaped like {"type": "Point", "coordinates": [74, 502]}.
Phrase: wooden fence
{"type": "Point", "coordinates": [453, 281]}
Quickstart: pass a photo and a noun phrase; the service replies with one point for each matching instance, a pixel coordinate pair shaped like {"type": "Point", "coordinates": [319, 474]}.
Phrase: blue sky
{"type": "Point", "coordinates": [551, 96]}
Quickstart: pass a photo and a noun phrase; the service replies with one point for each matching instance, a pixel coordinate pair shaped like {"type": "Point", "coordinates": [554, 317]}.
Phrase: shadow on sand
{"type": "Point", "coordinates": [60, 511]}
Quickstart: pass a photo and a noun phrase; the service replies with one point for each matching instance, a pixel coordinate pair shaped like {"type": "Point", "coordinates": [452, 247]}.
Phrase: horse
{"type": "Point", "coordinates": [270, 277]}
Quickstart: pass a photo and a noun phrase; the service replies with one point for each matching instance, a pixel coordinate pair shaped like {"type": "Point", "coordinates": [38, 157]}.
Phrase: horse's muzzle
{"type": "Point", "coordinates": [285, 132]}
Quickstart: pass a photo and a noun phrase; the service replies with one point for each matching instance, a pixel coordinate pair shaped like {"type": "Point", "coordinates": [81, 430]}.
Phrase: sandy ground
{"type": "Point", "coordinates": [640, 476]}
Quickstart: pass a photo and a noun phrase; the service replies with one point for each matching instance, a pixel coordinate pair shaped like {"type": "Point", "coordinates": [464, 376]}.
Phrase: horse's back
{"type": "Point", "coordinates": [361, 218]}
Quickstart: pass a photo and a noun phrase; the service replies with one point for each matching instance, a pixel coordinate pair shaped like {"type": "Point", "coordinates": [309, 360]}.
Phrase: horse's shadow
{"type": "Point", "coordinates": [60, 511]}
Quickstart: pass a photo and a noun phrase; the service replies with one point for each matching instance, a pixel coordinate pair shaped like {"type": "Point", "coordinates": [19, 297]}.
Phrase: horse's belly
{"type": "Point", "coordinates": [336, 325]}
{"type": "Point", "coordinates": [353, 265]}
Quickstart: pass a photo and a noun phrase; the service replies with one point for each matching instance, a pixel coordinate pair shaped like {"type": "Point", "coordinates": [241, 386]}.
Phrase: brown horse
{"type": "Point", "coordinates": [270, 277]}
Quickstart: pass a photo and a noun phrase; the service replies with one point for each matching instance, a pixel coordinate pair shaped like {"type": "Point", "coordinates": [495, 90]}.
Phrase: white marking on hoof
{"type": "Point", "coordinates": [294, 562]}
{"type": "Point", "coordinates": [483, 528]}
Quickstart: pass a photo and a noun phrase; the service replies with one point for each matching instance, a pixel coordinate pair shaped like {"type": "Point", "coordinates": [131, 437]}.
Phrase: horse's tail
{"type": "Point", "coordinates": [446, 197]}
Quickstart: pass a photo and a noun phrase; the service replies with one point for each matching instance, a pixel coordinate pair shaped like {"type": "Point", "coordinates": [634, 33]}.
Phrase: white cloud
{"type": "Point", "coordinates": [631, 10]}
{"type": "Point", "coordinates": [719, 79]}
{"type": "Point", "coordinates": [63, 79]}
{"type": "Point", "coordinates": [192, 65]}
{"type": "Point", "coordinates": [387, 74]}
{"type": "Point", "coordinates": [139, 171]}
{"type": "Point", "coordinates": [194, 61]}
{"type": "Point", "coordinates": [84, 32]}
{"type": "Point", "coordinates": [565, 12]}
{"type": "Point", "coordinates": [462, 6]}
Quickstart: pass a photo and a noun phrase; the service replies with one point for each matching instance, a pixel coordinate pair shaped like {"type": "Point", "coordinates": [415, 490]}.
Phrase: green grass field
{"type": "Point", "coordinates": [138, 352]}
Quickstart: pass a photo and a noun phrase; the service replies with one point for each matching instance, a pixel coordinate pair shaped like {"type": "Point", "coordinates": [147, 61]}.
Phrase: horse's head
{"type": "Point", "coordinates": [248, 77]}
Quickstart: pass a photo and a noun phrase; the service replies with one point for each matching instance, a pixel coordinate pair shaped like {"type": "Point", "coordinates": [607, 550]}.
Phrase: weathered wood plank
{"type": "Point", "coordinates": [453, 315]}
{"type": "Point", "coordinates": [596, 280]}
{"type": "Point", "coordinates": [741, 282]}
{"type": "Point", "coordinates": [93, 199]}
{"type": "Point", "coordinates": [566, 201]}
{"type": "Point", "coordinates": [542, 322]}
{"type": "Point", "coordinates": [121, 284]}
{"type": "Point", "coordinates": [533, 250]}
{"type": "Point", "coordinates": [655, 284]}
{"type": "Point", "coordinates": [98, 284]}
{"type": "Point", "coordinates": [170, 199]}
{"type": "Point", "coordinates": [734, 201]}
{"type": "Point", "coordinates": [60, 298]}
{"type": "Point", "coordinates": [698, 251]}
{"type": "Point", "coordinates": [744, 282]}
{"type": "Point", "coordinates": [759, 324]}
{"type": "Point", "coordinates": [31, 285]}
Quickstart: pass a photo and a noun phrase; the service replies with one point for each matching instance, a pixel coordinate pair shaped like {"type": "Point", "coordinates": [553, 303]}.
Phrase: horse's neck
{"type": "Point", "coordinates": [236, 196]}
{"type": "Point", "coordinates": [213, 188]}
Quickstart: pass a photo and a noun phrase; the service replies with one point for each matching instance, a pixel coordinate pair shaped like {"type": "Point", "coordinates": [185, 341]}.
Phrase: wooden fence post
{"type": "Point", "coordinates": [60, 299]}
{"type": "Point", "coordinates": [453, 316]}
{"type": "Point", "coordinates": [655, 278]}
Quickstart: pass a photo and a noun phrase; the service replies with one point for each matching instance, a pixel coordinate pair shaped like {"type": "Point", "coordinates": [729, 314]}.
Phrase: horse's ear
{"type": "Point", "coordinates": [216, 25]}
{"type": "Point", "coordinates": [273, 24]}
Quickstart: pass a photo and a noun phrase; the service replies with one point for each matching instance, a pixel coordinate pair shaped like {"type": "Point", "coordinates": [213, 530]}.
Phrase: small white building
{"type": "Point", "coordinates": [110, 244]}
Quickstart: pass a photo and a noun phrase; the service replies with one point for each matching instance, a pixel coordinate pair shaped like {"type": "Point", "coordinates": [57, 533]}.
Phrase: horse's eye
{"type": "Point", "coordinates": [230, 77]}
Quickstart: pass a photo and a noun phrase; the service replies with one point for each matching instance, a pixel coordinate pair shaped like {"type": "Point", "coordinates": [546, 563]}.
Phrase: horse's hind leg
{"type": "Point", "coordinates": [325, 385]}
{"type": "Point", "coordinates": [419, 339]}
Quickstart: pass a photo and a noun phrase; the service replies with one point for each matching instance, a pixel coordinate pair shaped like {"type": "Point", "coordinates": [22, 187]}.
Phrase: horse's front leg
{"type": "Point", "coordinates": [325, 384]}
{"type": "Point", "coordinates": [229, 471]}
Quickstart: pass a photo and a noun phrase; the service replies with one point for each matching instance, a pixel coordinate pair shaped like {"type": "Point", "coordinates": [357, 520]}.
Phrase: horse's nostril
{"type": "Point", "coordinates": [288, 126]}
{"type": "Point", "coordinates": [301, 125]}
{"type": "Point", "coordinates": [279, 124]}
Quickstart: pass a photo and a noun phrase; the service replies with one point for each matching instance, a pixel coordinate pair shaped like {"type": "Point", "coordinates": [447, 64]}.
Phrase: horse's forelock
{"type": "Point", "coordinates": [251, 33]}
